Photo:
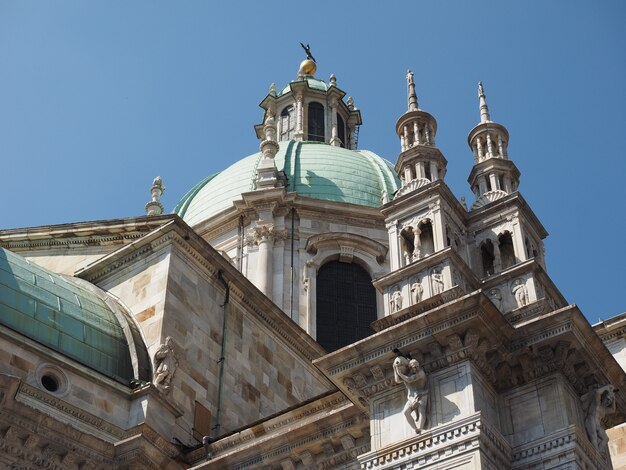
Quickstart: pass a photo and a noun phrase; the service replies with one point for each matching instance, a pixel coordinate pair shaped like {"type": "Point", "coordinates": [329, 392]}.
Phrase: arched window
{"type": "Point", "coordinates": [316, 122]}
{"type": "Point", "coordinates": [486, 252]}
{"type": "Point", "coordinates": [346, 304]}
{"type": "Point", "coordinates": [341, 130]}
{"type": "Point", "coordinates": [287, 123]}
{"type": "Point", "coordinates": [507, 252]}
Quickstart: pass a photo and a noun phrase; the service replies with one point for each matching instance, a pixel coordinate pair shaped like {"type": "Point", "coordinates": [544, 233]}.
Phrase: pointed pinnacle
{"type": "Point", "coordinates": [412, 95]}
{"type": "Point", "coordinates": [484, 110]}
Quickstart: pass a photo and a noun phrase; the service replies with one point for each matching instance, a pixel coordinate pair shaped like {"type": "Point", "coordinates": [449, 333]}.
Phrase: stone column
{"type": "Point", "coordinates": [419, 170]}
{"type": "Point", "coordinates": [334, 140]}
{"type": "Point", "coordinates": [497, 258]}
{"type": "Point", "coordinates": [299, 136]}
{"type": "Point", "coordinates": [395, 252]}
{"type": "Point", "coordinates": [434, 172]}
{"type": "Point", "coordinates": [518, 242]}
{"type": "Point", "coordinates": [507, 184]}
{"type": "Point", "coordinates": [494, 181]}
{"type": "Point", "coordinates": [439, 241]}
{"type": "Point", "coordinates": [264, 237]}
{"type": "Point", "coordinates": [416, 134]}
{"type": "Point", "coordinates": [489, 146]}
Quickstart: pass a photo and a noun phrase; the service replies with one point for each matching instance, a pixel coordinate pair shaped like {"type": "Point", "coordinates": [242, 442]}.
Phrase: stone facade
{"type": "Point", "coordinates": [474, 360]}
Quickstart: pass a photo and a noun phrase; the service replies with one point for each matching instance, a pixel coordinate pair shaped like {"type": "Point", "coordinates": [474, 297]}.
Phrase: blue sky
{"type": "Point", "coordinates": [97, 98]}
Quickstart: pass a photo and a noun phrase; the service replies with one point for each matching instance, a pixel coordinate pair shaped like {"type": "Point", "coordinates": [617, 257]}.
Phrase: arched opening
{"type": "Point", "coordinates": [346, 304]}
{"type": "Point", "coordinates": [287, 123]}
{"type": "Point", "coordinates": [407, 240]}
{"type": "Point", "coordinates": [427, 245]}
{"type": "Point", "coordinates": [341, 130]}
{"type": "Point", "coordinates": [316, 122]}
{"type": "Point", "coordinates": [486, 253]}
{"type": "Point", "coordinates": [507, 252]}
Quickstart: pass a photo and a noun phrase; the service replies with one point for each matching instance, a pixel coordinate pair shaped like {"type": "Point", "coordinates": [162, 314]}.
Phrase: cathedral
{"type": "Point", "coordinates": [312, 306]}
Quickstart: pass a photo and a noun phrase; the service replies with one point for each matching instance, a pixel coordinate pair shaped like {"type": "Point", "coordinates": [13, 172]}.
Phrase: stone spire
{"type": "Point", "coordinates": [412, 96]}
{"type": "Point", "coordinates": [420, 162]}
{"type": "Point", "coordinates": [484, 109]}
{"type": "Point", "coordinates": [154, 207]}
{"type": "Point", "coordinates": [493, 175]}
{"type": "Point", "coordinates": [267, 173]}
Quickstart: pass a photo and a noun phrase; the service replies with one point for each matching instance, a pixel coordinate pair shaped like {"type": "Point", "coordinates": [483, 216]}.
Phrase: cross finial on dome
{"type": "Point", "coordinates": [484, 110]}
{"type": "Point", "coordinates": [412, 95]}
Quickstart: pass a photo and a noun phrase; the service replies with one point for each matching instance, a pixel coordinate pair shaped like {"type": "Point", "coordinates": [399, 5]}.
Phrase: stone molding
{"type": "Point", "coordinates": [418, 308]}
{"type": "Point", "coordinates": [559, 445]}
{"type": "Point", "coordinates": [417, 336]}
{"type": "Point", "coordinates": [442, 443]}
{"type": "Point", "coordinates": [341, 241]}
{"type": "Point", "coordinates": [64, 412]}
{"type": "Point", "coordinates": [336, 399]}
{"type": "Point", "coordinates": [100, 233]}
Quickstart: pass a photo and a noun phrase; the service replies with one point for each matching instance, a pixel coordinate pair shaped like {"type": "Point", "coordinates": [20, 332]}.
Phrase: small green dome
{"type": "Point", "coordinates": [62, 315]}
{"type": "Point", "coordinates": [313, 169]}
{"type": "Point", "coordinates": [313, 83]}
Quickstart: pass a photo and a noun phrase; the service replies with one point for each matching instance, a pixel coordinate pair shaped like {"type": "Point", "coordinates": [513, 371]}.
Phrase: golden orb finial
{"type": "Point", "coordinates": [307, 67]}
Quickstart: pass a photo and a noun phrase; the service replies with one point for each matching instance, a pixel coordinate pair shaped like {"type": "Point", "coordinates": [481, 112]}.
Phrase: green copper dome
{"type": "Point", "coordinates": [313, 169]}
{"type": "Point", "coordinates": [62, 315]}
{"type": "Point", "coordinates": [313, 83]}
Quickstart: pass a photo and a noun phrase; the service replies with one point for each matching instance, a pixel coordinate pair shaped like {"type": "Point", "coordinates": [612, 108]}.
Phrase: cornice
{"type": "Point", "coordinates": [443, 443]}
{"type": "Point", "coordinates": [82, 234]}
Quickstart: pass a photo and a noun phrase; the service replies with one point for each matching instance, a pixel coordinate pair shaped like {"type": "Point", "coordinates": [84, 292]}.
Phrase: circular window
{"type": "Point", "coordinates": [50, 383]}
{"type": "Point", "coordinates": [52, 379]}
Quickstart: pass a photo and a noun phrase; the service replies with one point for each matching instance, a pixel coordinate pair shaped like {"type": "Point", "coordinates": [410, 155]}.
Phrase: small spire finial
{"type": "Point", "coordinates": [273, 89]}
{"type": "Point", "coordinates": [154, 206]}
{"type": "Point", "coordinates": [484, 110]}
{"type": "Point", "coordinates": [412, 95]}
{"type": "Point", "coordinates": [333, 80]}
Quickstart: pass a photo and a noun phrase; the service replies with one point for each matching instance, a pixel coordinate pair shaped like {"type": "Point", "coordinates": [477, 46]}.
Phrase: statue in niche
{"type": "Point", "coordinates": [495, 297]}
{"type": "Point", "coordinates": [164, 365]}
{"type": "Point", "coordinates": [408, 371]}
{"type": "Point", "coordinates": [597, 404]}
{"type": "Point", "coordinates": [520, 292]}
{"type": "Point", "coordinates": [436, 278]}
{"type": "Point", "coordinates": [396, 301]}
{"type": "Point", "coordinates": [416, 292]}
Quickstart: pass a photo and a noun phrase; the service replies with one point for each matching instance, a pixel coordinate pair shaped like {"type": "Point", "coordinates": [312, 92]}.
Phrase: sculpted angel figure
{"type": "Point", "coordinates": [414, 378]}
{"type": "Point", "coordinates": [164, 364]}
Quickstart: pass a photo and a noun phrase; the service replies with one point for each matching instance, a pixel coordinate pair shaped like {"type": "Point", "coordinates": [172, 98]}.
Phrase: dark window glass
{"type": "Point", "coordinates": [316, 122]}
{"type": "Point", "coordinates": [346, 304]}
{"type": "Point", "coordinates": [287, 123]}
{"type": "Point", "coordinates": [341, 130]}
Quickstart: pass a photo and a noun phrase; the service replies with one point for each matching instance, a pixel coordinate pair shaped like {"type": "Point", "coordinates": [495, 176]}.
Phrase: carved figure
{"type": "Point", "coordinates": [520, 292]}
{"type": "Point", "coordinates": [597, 404]}
{"type": "Point", "coordinates": [416, 292]}
{"type": "Point", "coordinates": [307, 49]}
{"type": "Point", "coordinates": [495, 297]}
{"type": "Point", "coordinates": [396, 301]}
{"type": "Point", "coordinates": [415, 380]}
{"type": "Point", "coordinates": [164, 365]}
{"type": "Point", "coordinates": [436, 279]}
